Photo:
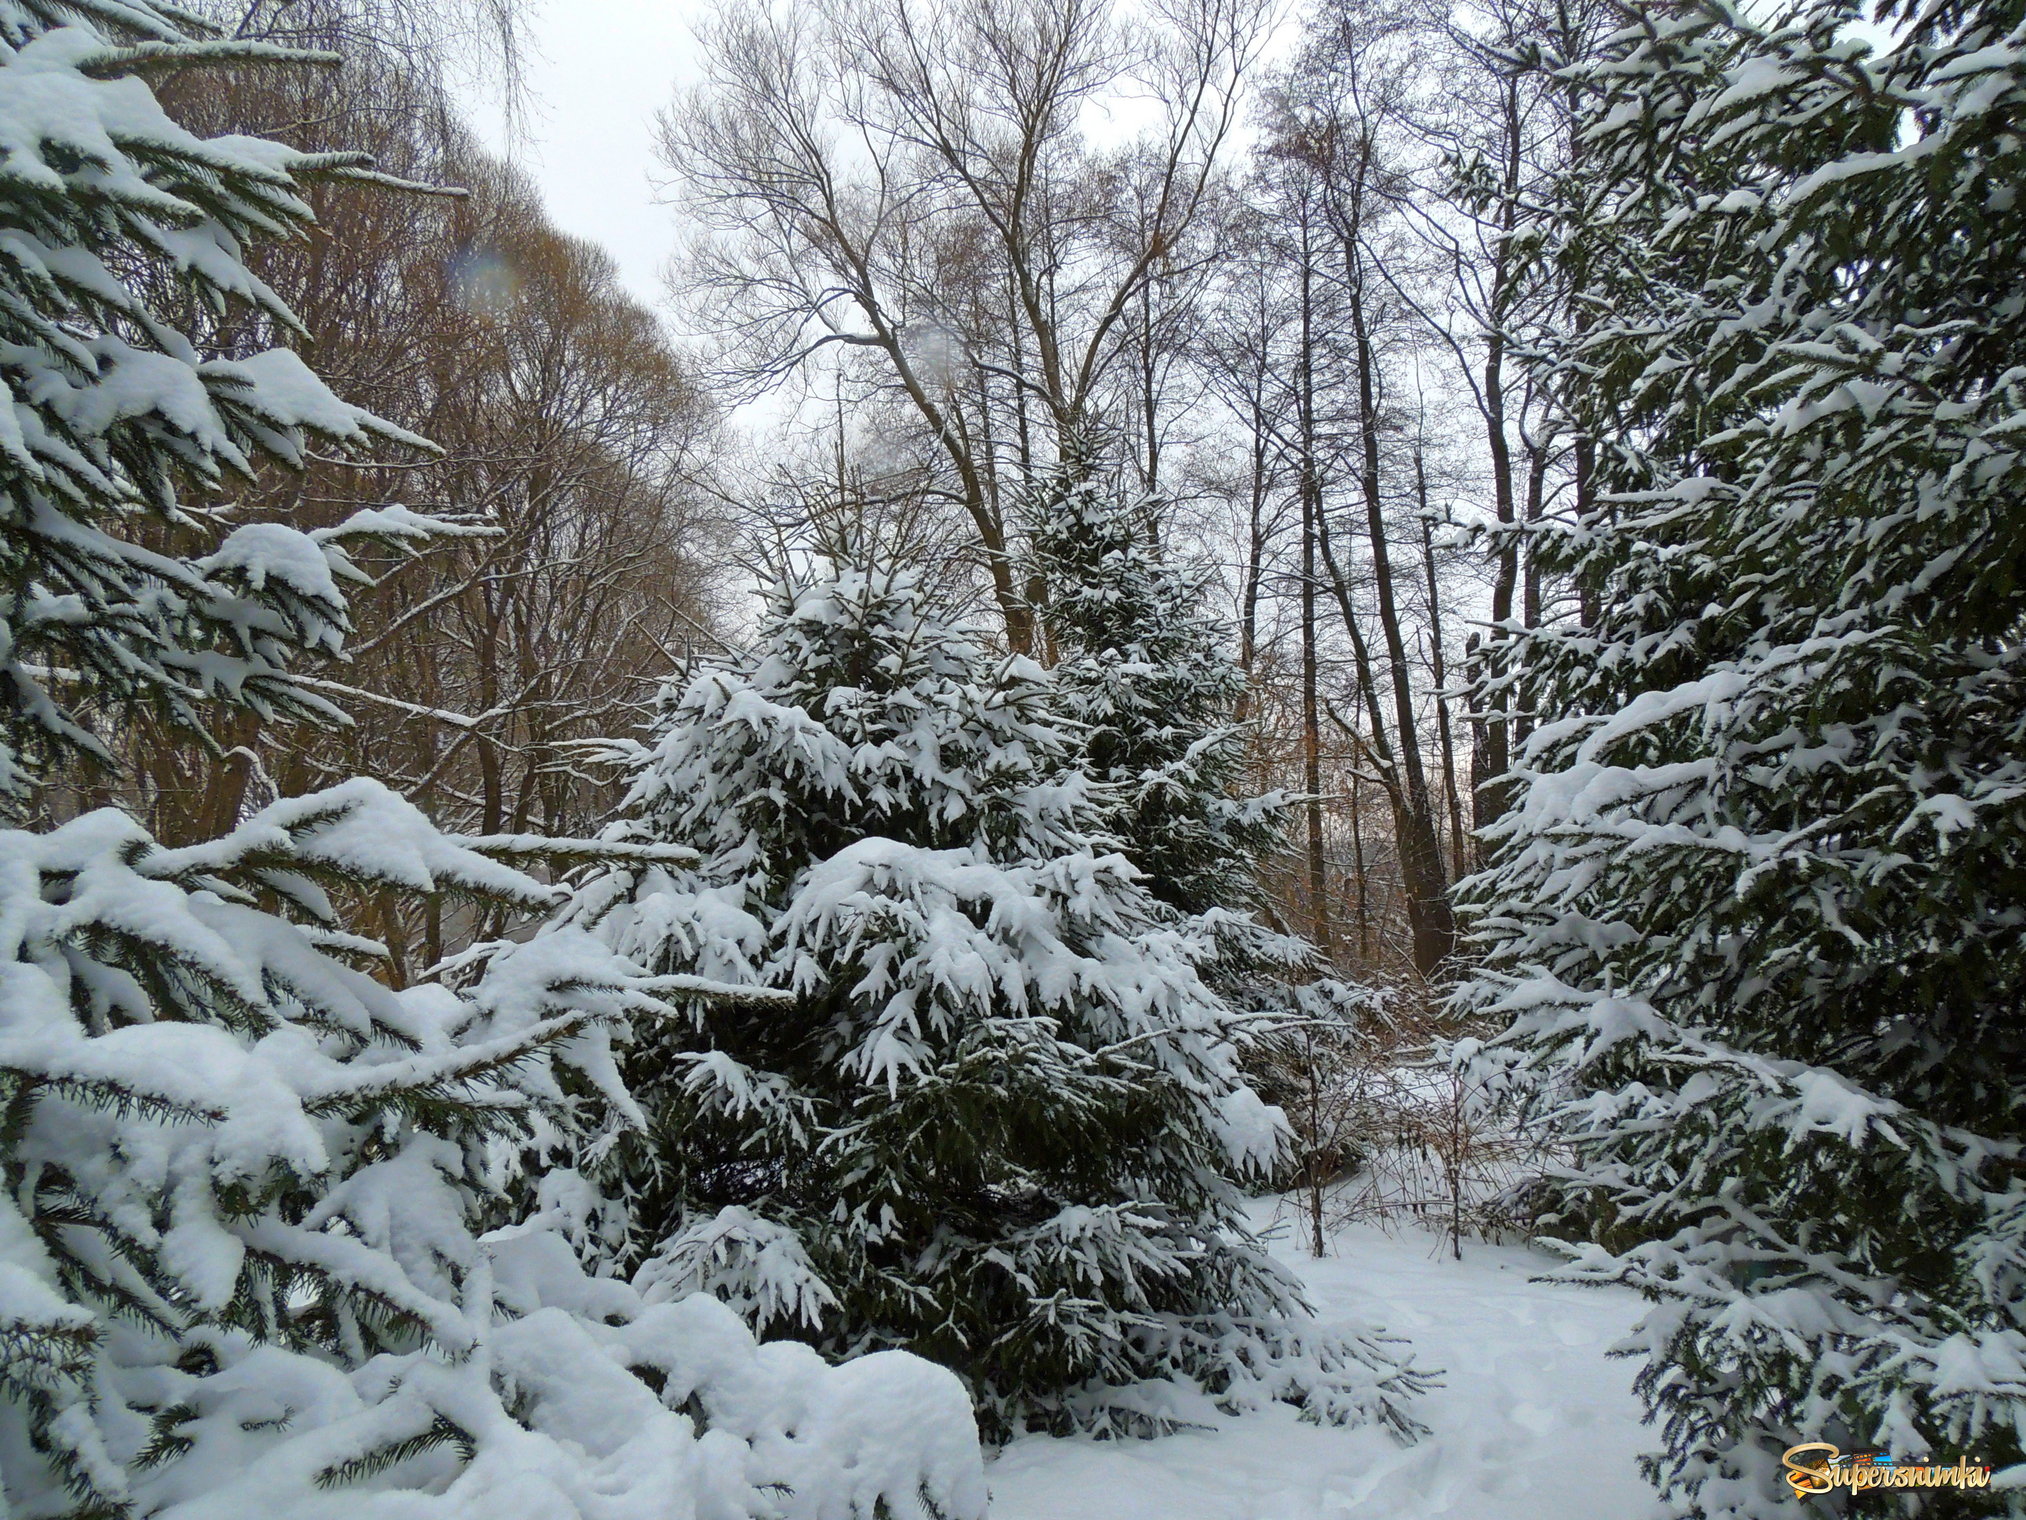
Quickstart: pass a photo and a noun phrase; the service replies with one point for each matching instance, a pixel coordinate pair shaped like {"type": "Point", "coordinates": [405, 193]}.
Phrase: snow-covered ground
{"type": "Point", "coordinates": [1533, 1421]}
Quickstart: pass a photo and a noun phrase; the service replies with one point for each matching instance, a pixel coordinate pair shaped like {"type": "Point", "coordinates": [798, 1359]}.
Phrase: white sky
{"type": "Point", "coordinates": [598, 71]}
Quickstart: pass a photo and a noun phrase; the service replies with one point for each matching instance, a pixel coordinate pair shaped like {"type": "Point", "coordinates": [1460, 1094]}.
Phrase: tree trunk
{"type": "Point", "coordinates": [1429, 914]}
{"type": "Point", "coordinates": [1438, 672]}
{"type": "Point", "coordinates": [1311, 726]}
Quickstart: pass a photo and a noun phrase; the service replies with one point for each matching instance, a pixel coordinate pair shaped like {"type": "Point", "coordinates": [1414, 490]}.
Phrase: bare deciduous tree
{"type": "Point", "coordinates": [916, 184]}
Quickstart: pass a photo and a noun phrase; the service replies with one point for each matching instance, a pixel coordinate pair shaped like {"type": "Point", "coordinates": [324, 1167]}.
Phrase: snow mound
{"type": "Point", "coordinates": [581, 1403]}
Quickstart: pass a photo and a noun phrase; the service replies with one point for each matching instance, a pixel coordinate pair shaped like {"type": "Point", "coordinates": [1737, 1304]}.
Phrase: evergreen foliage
{"type": "Point", "coordinates": [244, 1265]}
{"type": "Point", "coordinates": [1146, 671]}
{"type": "Point", "coordinates": [139, 385]}
{"type": "Point", "coordinates": [1000, 1124]}
{"type": "Point", "coordinates": [1756, 918]}
{"type": "Point", "coordinates": [244, 1259]}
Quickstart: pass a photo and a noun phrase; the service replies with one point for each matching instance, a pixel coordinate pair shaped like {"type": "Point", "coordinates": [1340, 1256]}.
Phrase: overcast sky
{"type": "Point", "coordinates": [599, 70]}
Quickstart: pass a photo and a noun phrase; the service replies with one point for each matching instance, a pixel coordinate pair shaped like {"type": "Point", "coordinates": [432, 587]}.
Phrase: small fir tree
{"type": "Point", "coordinates": [1000, 1123]}
{"type": "Point", "coordinates": [1145, 671]}
{"type": "Point", "coordinates": [1755, 920]}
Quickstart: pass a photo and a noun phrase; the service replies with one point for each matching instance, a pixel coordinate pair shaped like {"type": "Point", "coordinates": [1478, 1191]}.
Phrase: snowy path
{"type": "Point", "coordinates": [1533, 1422]}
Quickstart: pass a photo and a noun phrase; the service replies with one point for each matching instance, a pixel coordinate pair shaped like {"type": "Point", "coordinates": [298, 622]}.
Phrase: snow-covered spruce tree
{"type": "Point", "coordinates": [1758, 918]}
{"type": "Point", "coordinates": [240, 1262]}
{"type": "Point", "coordinates": [1145, 671]}
{"type": "Point", "coordinates": [1000, 1124]}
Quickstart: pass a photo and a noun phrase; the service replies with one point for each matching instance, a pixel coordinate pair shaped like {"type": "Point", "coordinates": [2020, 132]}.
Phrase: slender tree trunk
{"type": "Point", "coordinates": [1522, 715]}
{"type": "Point", "coordinates": [1428, 910]}
{"type": "Point", "coordinates": [1311, 740]}
{"type": "Point", "coordinates": [1315, 1144]}
{"type": "Point", "coordinates": [1438, 672]}
{"type": "Point", "coordinates": [1380, 747]}
{"type": "Point", "coordinates": [1311, 722]}
{"type": "Point", "coordinates": [1492, 795]}
{"type": "Point", "coordinates": [1364, 908]}
{"type": "Point", "coordinates": [1255, 563]}
{"type": "Point", "coordinates": [1149, 402]}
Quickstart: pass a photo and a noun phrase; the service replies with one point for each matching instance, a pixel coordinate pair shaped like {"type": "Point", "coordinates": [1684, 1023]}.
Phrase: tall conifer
{"type": "Point", "coordinates": [1758, 916]}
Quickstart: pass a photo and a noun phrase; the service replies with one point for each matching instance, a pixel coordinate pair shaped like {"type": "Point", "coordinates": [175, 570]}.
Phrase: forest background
{"type": "Point", "coordinates": [1278, 305]}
